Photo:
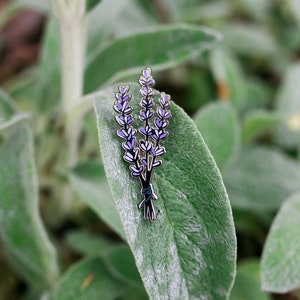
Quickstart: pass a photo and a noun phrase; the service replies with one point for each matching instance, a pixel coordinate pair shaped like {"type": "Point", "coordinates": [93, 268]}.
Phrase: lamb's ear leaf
{"type": "Point", "coordinates": [89, 182]}
{"type": "Point", "coordinates": [190, 250]}
{"type": "Point", "coordinates": [218, 124]}
{"type": "Point", "coordinates": [27, 245]}
{"type": "Point", "coordinates": [247, 282]}
{"type": "Point", "coordinates": [280, 268]}
{"type": "Point", "coordinates": [89, 279]}
{"type": "Point", "coordinates": [161, 47]}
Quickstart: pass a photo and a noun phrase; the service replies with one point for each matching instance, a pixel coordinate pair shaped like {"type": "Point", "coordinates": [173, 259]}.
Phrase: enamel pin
{"type": "Point", "coordinates": [143, 155]}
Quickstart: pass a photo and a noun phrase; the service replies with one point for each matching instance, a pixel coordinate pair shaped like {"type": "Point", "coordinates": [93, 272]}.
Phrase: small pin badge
{"type": "Point", "coordinates": [143, 154]}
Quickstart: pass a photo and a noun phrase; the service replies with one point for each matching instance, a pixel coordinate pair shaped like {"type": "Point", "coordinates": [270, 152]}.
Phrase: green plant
{"type": "Point", "coordinates": [244, 144]}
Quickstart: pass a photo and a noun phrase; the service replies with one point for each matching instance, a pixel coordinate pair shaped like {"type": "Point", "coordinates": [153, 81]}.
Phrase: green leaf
{"type": "Point", "coordinates": [48, 81]}
{"type": "Point", "coordinates": [288, 107]}
{"type": "Point", "coordinates": [280, 267]}
{"type": "Point", "coordinates": [89, 182]}
{"type": "Point", "coordinates": [119, 260]}
{"type": "Point", "coordinates": [190, 250]}
{"type": "Point", "coordinates": [259, 122]}
{"type": "Point", "coordinates": [91, 4]}
{"type": "Point", "coordinates": [256, 42]}
{"type": "Point", "coordinates": [87, 243]}
{"type": "Point", "coordinates": [101, 23]}
{"type": "Point", "coordinates": [161, 48]}
{"type": "Point", "coordinates": [7, 107]}
{"type": "Point", "coordinates": [88, 279]}
{"type": "Point", "coordinates": [136, 292]}
{"type": "Point", "coordinates": [219, 127]}
{"type": "Point", "coordinates": [294, 7]}
{"type": "Point", "coordinates": [229, 77]}
{"type": "Point", "coordinates": [41, 5]}
{"type": "Point", "coordinates": [256, 9]}
{"type": "Point", "coordinates": [22, 88]}
{"type": "Point", "coordinates": [260, 179]}
{"type": "Point", "coordinates": [206, 12]}
{"type": "Point", "coordinates": [22, 231]}
{"type": "Point", "coordinates": [247, 282]}
{"type": "Point", "coordinates": [259, 94]}
{"type": "Point", "coordinates": [8, 112]}
{"type": "Point", "coordinates": [250, 40]}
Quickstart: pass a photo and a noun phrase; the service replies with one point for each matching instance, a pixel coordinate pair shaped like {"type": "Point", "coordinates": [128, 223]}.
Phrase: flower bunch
{"type": "Point", "coordinates": [143, 155]}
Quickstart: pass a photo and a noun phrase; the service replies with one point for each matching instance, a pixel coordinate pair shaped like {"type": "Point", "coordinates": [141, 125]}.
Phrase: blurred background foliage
{"type": "Point", "coordinates": [243, 96]}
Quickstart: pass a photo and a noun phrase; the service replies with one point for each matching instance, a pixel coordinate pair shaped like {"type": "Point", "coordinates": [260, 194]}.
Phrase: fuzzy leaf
{"type": "Point", "coordinates": [161, 48]}
{"type": "Point", "coordinates": [87, 243]}
{"type": "Point", "coordinates": [229, 77]}
{"type": "Point", "coordinates": [261, 178]}
{"type": "Point", "coordinates": [22, 231]}
{"type": "Point", "coordinates": [190, 250]}
{"type": "Point", "coordinates": [258, 122]}
{"type": "Point", "coordinates": [9, 114]}
{"type": "Point", "coordinates": [7, 107]}
{"type": "Point", "coordinates": [48, 81]}
{"type": "Point", "coordinates": [89, 182]}
{"type": "Point", "coordinates": [88, 279]}
{"type": "Point", "coordinates": [120, 262]}
{"type": "Point", "coordinates": [281, 255]}
{"type": "Point", "coordinates": [288, 107]}
{"type": "Point", "coordinates": [219, 127]}
{"type": "Point", "coordinates": [247, 282]}
{"type": "Point", "coordinates": [253, 41]}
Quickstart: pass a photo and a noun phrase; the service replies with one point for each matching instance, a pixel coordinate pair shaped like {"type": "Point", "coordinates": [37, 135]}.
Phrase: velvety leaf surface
{"type": "Point", "coordinates": [280, 271]}
{"type": "Point", "coordinates": [102, 23]}
{"type": "Point", "coordinates": [261, 178]}
{"type": "Point", "coordinates": [136, 292]}
{"type": "Point", "coordinates": [119, 260]}
{"type": "Point", "coordinates": [89, 182]}
{"type": "Point", "coordinates": [7, 108]}
{"type": "Point", "coordinates": [161, 47]}
{"type": "Point", "coordinates": [48, 81]}
{"type": "Point", "coordinates": [190, 250]}
{"type": "Point", "coordinates": [88, 279]}
{"type": "Point", "coordinates": [8, 112]}
{"type": "Point", "coordinates": [40, 5]}
{"type": "Point", "coordinates": [22, 231]}
{"type": "Point", "coordinates": [87, 243]}
{"type": "Point", "coordinates": [90, 4]}
{"type": "Point", "coordinates": [294, 7]}
{"type": "Point", "coordinates": [219, 127]}
{"type": "Point", "coordinates": [259, 94]}
{"type": "Point", "coordinates": [247, 282]}
{"type": "Point", "coordinates": [253, 41]}
{"type": "Point", "coordinates": [229, 77]}
{"type": "Point", "coordinates": [288, 107]}
{"type": "Point", "coordinates": [259, 122]}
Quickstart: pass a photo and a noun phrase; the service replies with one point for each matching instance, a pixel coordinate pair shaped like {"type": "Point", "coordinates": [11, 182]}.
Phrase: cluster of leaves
{"type": "Point", "coordinates": [243, 97]}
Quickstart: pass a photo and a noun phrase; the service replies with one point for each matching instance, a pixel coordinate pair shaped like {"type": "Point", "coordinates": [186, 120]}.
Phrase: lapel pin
{"type": "Point", "coordinates": [142, 146]}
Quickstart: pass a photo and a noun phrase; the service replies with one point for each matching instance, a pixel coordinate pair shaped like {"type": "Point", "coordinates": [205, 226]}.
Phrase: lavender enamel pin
{"type": "Point", "coordinates": [143, 154]}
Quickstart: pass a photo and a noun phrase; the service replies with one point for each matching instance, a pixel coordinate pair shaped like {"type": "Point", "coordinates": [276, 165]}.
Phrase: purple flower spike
{"type": "Point", "coordinates": [158, 151]}
{"type": "Point", "coordinates": [143, 156]}
{"type": "Point", "coordinates": [123, 89]}
{"type": "Point", "coordinates": [146, 131]}
{"type": "Point", "coordinates": [136, 171]}
{"type": "Point", "coordinates": [163, 113]}
{"type": "Point", "coordinates": [159, 134]}
{"type": "Point", "coordinates": [129, 144]}
{"type": "Point", "coordinates": [164, 100]}
{"type": "Point", "coordinates": [146, 79]}
{"type": "Point", "coordinates": [145, 145]}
